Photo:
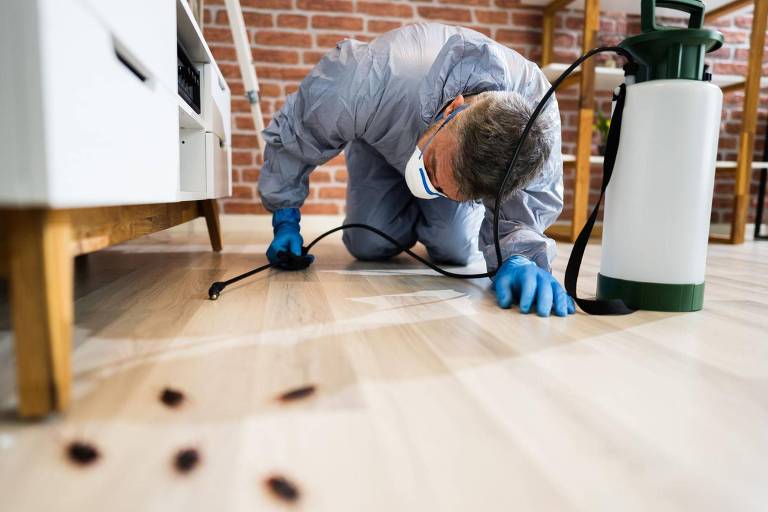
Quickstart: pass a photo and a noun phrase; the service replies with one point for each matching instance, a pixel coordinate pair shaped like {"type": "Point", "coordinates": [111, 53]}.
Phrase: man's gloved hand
{"type": "Point", "coordinates": [285, 226]}
{"type": "Point", "coordinates": [519, 280]}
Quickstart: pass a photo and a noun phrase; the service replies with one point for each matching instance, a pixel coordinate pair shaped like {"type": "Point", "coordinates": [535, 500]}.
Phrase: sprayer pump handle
{"type": "Point", "coordinates": [648, 13]}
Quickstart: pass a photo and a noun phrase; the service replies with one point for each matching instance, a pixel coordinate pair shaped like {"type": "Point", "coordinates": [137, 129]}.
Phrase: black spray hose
{"type": "Point", "coordinates": [292, 262]}
{"type": "Point", "coordinates": [446, 273]}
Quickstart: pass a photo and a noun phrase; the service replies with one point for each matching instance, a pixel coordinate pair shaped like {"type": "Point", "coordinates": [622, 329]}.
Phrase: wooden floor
{"type": "Point", "coordinates": [428, 398]}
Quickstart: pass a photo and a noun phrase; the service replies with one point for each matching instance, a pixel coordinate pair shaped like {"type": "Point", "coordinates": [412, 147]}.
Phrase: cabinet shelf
{"type": "Point", "coordinates": [188, 118]}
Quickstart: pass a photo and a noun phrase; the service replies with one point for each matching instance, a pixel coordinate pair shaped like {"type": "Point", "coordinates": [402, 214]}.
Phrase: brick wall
{"type": "Point", "coordinates": [289, 36]}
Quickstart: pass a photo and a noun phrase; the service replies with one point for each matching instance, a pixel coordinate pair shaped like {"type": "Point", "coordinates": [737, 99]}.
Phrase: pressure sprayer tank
{"type": "Point", "coordinates": [658, 202]}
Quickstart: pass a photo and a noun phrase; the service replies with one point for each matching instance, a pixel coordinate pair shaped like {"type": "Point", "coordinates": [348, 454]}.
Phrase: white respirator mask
{"type": "Point", "coordinates": [415, 172]}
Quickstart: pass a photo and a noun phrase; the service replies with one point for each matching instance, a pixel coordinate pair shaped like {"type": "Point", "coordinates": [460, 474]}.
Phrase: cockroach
{"type": "Point", "coordinates": [297, 394]}
{"type": "Point", "coordinates": [282, 488]}
{"type": "Point", "coordinates": [186, 460]}
{"type": "Point", "coordinates": [82, 453]}
{"type": "Point", "coordinates": [172, 397]}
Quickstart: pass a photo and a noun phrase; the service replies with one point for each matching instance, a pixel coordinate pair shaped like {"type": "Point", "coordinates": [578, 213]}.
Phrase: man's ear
{"type": "Point", "coordinates": [456, 103]}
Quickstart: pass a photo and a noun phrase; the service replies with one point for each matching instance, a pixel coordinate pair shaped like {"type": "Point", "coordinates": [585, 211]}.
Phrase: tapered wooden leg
{"type": "Point", "coordinates": [210, 210]}
{"type": "Point", "coordinates": [39, 251]}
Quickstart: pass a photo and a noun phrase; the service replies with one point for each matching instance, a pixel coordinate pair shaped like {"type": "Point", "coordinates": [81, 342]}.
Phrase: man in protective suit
{"type": "Point", "coordinates": [429, 116]}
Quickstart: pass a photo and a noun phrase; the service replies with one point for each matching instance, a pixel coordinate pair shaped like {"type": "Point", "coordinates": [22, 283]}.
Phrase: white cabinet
{"type": "Point", "coordinates": [91, 114]}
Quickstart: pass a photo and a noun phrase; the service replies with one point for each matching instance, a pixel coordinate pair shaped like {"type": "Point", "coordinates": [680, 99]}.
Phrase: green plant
{"type": "Point", "coordinates": [602, 125]}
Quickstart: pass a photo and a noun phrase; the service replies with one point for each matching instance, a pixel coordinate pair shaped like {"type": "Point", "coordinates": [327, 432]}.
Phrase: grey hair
{"type": "Point", "coordinates": [488, 134]}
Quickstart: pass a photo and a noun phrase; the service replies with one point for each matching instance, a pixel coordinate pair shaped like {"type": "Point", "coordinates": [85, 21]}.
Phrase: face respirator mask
{"type": "Point", "coordinates": [415, 172]}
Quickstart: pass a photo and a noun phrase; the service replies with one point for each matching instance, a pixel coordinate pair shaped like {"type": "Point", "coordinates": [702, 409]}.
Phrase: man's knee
{"type": "Point", "coordinates": [454, 249]}
{"type": "Point", "coordinates": [450, 234]}
{"type": "Point", "coordinates": [365, 245]}
{"type": "Point", "coordinates": [454, 244]}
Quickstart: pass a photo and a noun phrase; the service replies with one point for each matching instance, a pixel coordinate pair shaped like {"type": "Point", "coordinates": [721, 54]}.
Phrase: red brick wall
{"type": "Point", "coordinates": [289, 36]}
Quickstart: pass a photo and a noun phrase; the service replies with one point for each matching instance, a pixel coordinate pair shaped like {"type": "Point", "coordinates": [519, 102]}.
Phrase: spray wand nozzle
{"type": "Point", "coordinates": [215, 290]}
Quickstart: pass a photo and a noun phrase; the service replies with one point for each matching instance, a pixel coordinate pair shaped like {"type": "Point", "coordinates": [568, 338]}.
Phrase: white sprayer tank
{"type": "Point", "coordinates": [658, 202]}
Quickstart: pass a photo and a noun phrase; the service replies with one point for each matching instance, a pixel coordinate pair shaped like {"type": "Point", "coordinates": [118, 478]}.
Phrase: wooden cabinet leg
{"type": "Point", "coordinates": [41, 275]}
{"type": "Point", "coordinates": [210, 210]}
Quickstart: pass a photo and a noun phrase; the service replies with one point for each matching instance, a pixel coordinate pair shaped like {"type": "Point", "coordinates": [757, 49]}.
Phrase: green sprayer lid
{"type": "Point", "coordinates": [671, 52]}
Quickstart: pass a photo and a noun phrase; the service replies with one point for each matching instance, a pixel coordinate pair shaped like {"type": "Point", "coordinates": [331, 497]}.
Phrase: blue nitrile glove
{"type": "Point", "coordinates": [519, 280]}
{"type": "Point", "coordinates": [285, 226]}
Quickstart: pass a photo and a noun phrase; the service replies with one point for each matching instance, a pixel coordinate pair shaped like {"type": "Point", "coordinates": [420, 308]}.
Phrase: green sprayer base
{"type": "Point", "coordinates": [652, 296]}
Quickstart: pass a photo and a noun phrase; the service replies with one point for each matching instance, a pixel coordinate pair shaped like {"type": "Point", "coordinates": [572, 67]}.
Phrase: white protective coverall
{"type": "Point", "coordinates": [375, 100]}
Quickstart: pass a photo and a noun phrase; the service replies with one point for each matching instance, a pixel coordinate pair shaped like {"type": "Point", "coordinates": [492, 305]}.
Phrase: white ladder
{"type": "Point", "coordinates": [244, 59]}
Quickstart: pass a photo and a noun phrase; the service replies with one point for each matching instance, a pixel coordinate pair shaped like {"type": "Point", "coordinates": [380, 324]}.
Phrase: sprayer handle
{"type": "Point", "coordinates": [648, 13]}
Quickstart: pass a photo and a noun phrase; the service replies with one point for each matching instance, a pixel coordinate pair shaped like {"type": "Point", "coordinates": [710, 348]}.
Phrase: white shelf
{"type": "Point", "coordinates": [731, 164]}
{"type": "Point", "coordinates": [593, 159]}
{"type": "Point", "coordinates": [189, 34]}
{"type": "Point", "coordinates": [188, 118]}
{"type": "Point", "coordinates": [720, 164]}
{"type": "Point", "coordinates": [607, 79]}
{"type": "Point", "coordinates": [628, 6]}
{"type": "Point", "coordinates": [726, 80]}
